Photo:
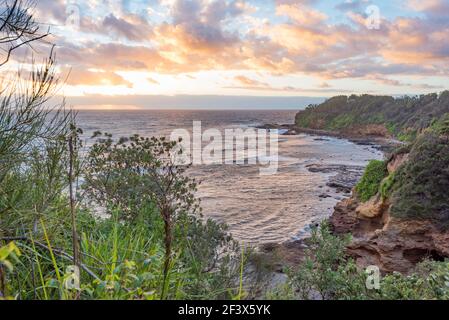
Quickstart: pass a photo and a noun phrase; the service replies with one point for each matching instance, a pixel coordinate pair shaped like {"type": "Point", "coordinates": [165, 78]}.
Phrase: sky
{"type": "Point", "coordinates": [146, 53]}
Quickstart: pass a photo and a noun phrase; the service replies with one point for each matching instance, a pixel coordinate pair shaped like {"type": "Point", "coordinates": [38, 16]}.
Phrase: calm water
{"type": "Point", "coordinates": [257, 208]}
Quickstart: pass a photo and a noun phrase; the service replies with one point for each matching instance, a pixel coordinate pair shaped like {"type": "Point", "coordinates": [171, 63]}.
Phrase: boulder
{"type": "Point", "coordinates": [373, 208]}
{"type": "Point", "coordinates": [400, 245]}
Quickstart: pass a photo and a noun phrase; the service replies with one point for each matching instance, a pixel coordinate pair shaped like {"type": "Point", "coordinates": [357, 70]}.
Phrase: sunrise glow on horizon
{"type": "Point", "coordinates": [269, 48]}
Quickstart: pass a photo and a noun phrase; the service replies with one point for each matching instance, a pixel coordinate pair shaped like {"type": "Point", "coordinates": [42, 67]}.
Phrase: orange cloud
{"type": "Point", "coordinates": [201, 35]}
{"type": "Point", "coordinates": [249, 82]}
{"type": "Point", "coordinates": [150, 80]}
{"type": "Point", "coordinates": [99, 77]}
{"type": "Point", "coordinates": [301, 14]}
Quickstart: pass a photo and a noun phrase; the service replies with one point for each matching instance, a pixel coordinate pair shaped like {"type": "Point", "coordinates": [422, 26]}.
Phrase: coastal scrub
{"type": "Point", "coordinates": [420, 187]}
{"type": "Point", "coordinates": [368, 186]}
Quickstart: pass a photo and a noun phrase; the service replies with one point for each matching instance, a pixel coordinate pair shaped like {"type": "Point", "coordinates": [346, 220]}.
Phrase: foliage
{"type": "Point", "coordinates": [441, 126]}
{"type": "Point", "coordinates": [6, 253]}
{"type": "Point", "coordinates": [123, 258]}
{"type": "Point", "coordinates": [18, 27]}
{"type": "Point", "coordinates": [387, 186]}
{"type": "Point", "coordinates": [341, 121]}
{"type": "Point", "coordinates": [124, 261]}
{"type": "Point", "coordinates": [152, 243]}
{"type": "Point", "coordinates": [407, 135]}
{"type": "Point", "coordinates": [319, 272]}
{"type": "Point", "coordinates": [34, 190]}
{"type": "Point", "coordinates": [26, 119]}
{"type": "Point", "coordinates": [31, 128]}
{"type": "Point", "coordinates": [368, 185]}
{"type": "Point", "coordinates": [419, 188]}
{"type": "Point", "coordinates": [328, 274]}
{"type": "Point", "coordinates": [126, 258]}
{"type": "Point", "coordinates": [403, 118]}
{"type": "Point", "coordinates": [146, 169]}
{"type": "Point", "coordinates": [137, 170]}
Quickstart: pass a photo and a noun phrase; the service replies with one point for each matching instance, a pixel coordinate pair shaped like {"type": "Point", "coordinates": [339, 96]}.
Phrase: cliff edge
{"type": "Point", "coordinates": [399, 212]}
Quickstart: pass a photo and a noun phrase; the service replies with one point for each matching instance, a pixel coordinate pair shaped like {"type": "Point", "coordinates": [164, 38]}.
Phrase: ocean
{"type": "Point", "coordinates": [257, 208]}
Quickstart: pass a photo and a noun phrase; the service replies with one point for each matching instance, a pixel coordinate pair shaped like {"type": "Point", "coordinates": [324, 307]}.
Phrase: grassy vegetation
{"type": "Point", "coordinates": [124, 253]}
{"type": "Point", "coordinates": [403, 118]}
{"type": "Point", "coordinates": [370, 182]}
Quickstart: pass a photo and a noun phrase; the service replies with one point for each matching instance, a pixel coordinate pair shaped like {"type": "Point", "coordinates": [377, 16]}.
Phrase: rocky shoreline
{"type": "Point", "coordinates": [399, 216]}
{"type": "Point", "coordinates": [382, 143]}
{"type": "Point", "coordinates": [391, 243]}
{"type": "Point", "coordinates": [343, 179]}
{"type": "Point", "coordinates": [345, 176]}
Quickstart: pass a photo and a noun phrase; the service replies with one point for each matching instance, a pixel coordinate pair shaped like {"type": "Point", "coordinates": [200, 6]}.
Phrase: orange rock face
{"type": "Point", "coordinates": [396, 162]}
{"type": "Point", "coordinates": [391, 243]}
{"type": "Point", "coordinates": [373, 208]}
{"type": "Point", "coordinates": [400, 245]}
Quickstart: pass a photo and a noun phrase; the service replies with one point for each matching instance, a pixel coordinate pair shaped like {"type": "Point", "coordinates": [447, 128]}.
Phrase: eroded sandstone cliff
{"type": "Point", "coordinates": [406, 221]}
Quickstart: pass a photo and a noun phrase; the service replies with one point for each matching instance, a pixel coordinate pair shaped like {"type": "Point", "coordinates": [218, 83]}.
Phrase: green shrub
{"type": "Point", "coordinates": [441, 126]}
{"type": "Point", "coordinates": [319, 273]}
{"type": "Point", "coordinates": [392, 128]}
{"type": "Point", "coordinates": [341, 121]}
{"type": "Point", "coordinates": [407, 135]}
{"type": "Point", "coordinates": [369, 185]}
{"type": "Point", "coordinates": [420, 188]}
{"type": "Point", "coordinates": [387, 186]}
{"type": "Point", "coordinates": [327, 273]}
{"type": "Point", "coordinates": [404, 117]}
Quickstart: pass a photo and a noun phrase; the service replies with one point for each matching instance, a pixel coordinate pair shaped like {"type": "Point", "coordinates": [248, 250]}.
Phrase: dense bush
{"type": "Point", "coordinates": [420, 187]}
{"type": "Point", "coordinates": [139, 175]}
{"type": "Point", "coordinates": [403, 118]}
{"type": "Point", "coordinates": [319, 274]}
{"type": "Point", "coordinates": [123, 253]}
{"type": "Point", "coordinates": [369, 184]}
{"type": "Point", "coordinates": [328, 274]}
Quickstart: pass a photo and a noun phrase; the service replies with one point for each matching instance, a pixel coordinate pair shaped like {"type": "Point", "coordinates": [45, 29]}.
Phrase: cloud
{"type": "Point", "coordinates": [415, 41]}
{"type": "Point", "coordinates": [113, 57]}
{"type": "Point", "coordinates": [352, 5]}
{"type": "Point", "coordinates": [430, 7]}
{"type": "Point", "coordinates": [187, 36]}
{"type": "Point", "coordinates": [249, 82]}
{"type": "Point", "coordinates": [93, 78]}
{"type": "Point", "coordinates": [396, 83]}
{"type": "Point", "coordinates": [52, 11]}
{"type": "Point", "coordinates": [296, 2]}
{"type": "Point", "coordinates": [246, 83]}
{"type": "Point", "coordinates": [403, 45]}
{"type": "Point", "coordinates": [116, 22]}
{"type": "Point", "coordinates": [197, 26]}
{"type": "Point", "coordinates": [151, 80]}
{"type": "Point", "coordinates": [302, 14]}
{"type": "Point", "coordinates": [132, 28]}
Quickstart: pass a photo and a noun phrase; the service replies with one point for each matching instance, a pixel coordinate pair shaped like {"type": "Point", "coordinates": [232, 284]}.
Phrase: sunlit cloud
{"type": "Point", "coordinates": [162, 39]}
